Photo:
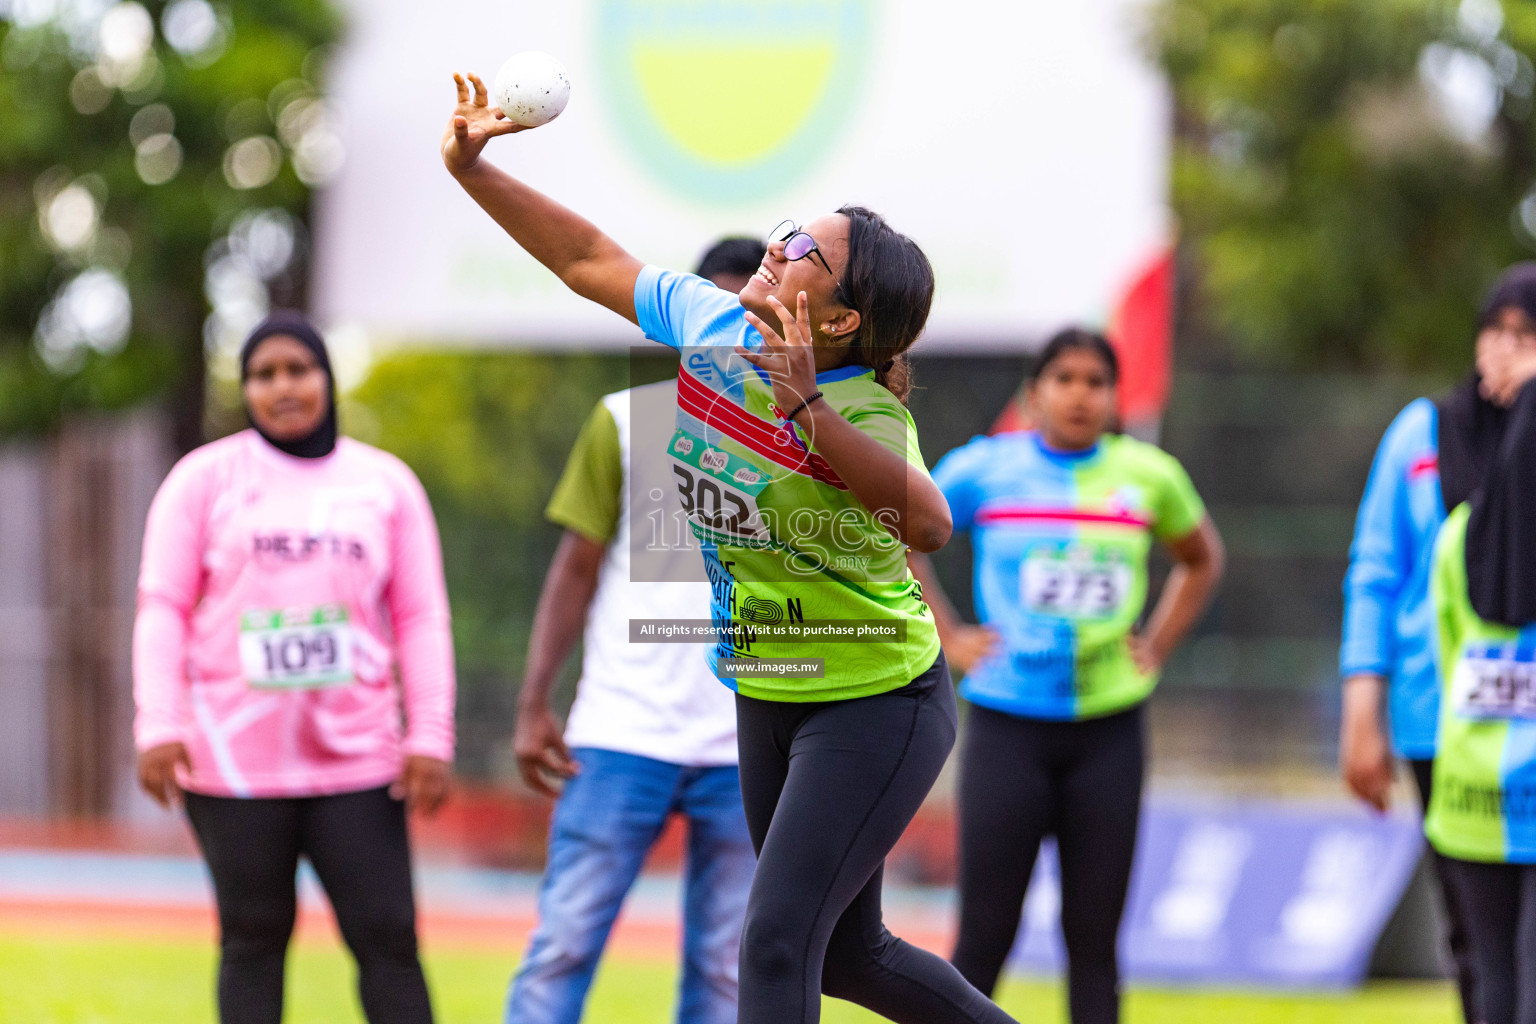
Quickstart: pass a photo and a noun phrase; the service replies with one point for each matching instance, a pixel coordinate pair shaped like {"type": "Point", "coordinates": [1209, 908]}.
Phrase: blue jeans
{"type": "Point", "coordinates": [603, 826]}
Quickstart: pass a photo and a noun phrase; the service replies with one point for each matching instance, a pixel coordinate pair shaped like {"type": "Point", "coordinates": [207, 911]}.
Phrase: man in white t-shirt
{"type": "Point", "coordinates": [652, 732]}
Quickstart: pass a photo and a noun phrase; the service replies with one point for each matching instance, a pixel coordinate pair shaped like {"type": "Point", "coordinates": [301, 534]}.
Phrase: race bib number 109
{"type": "Point", "coordinates": [296, 648]}
{"type": "Point", "coordinates": [1072, 584]}
{"type": "Point", "coordinates": [1494, 687]}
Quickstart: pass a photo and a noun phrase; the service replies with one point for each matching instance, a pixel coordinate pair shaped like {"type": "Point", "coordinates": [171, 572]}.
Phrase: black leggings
{"type": "Point", "coordinates": [1498, 908]}
{"type": "Point", "coordinates": [1456, 928]}
{"type": "Point", "coordinates": [357, 845]}
{"type": "Point", "coordinates": [828, 789]}
{"type": "Point", "coordinates": [1023, 779]}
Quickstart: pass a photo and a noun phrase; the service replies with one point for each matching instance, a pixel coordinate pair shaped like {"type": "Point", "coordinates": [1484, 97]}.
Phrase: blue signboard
{"type": "Point", "coordinates": [1249, 894]}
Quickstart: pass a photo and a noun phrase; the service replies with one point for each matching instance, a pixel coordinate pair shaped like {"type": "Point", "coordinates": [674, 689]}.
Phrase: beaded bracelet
{"type": "Point", "coordinates": [789, 417]}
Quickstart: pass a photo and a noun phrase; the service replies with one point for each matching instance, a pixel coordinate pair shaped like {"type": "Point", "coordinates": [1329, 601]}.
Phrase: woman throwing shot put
{"type": "Point", "coordinates": [286, 574]}
{"type": "Point", "coordinates": [1063, 518]}
{"type": "Point", "coordinates": [798, 464]}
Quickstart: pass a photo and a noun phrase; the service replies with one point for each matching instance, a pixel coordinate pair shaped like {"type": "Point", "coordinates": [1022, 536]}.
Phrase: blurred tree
{"type": "Point", "coordinates": [1349, 175]}
{"type": "Point", "coordinates": [155, 166]}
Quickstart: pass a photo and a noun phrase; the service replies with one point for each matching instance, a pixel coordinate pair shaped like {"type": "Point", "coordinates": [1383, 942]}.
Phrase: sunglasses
{"type": "Point", "coordinates": [797, 244]}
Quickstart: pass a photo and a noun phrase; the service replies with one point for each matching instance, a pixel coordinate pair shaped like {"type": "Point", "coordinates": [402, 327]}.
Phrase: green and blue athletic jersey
{"type": "Point", "coordinates": [786, 543]}
{"type": "Point", "coordinates": [1483, 803]}
{"type": "Point", "coordinates": [1061, 542]}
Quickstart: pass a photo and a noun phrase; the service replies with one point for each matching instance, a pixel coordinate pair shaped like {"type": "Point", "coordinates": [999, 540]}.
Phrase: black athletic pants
{"type": "Point", "coordinates": [1022, 779]}
{"type": "Point", "coordinates": [1498, 906]}
{"type": "Point", "coordinates": [1456, 928]}
{"type": "Point", "coordinates": [357, 845]}
{"type": "Point", "coordinates": [828, 789]}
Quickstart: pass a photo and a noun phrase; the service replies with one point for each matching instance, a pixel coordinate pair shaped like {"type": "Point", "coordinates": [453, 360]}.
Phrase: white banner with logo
{"type": "Point", "coordinates": [1023, 145]}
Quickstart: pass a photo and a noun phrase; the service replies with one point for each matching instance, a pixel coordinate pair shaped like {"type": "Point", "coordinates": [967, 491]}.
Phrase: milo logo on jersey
{"type": "Point", "coordinates": [731, 100]}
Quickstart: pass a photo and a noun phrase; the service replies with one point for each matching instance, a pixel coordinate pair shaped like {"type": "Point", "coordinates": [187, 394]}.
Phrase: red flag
{"type": "Point", "coordinates": [1012, 417]}
{"type": "Point", "coordinates": [1142, 332]}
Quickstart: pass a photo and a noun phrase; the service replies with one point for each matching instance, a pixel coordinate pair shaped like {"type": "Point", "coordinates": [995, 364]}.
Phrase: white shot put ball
{"type": "Point", "coordinates": [532, 88]}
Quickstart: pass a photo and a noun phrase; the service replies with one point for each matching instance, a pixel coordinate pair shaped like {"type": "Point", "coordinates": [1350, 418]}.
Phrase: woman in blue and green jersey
{"type": "Point", "coordinates": [1063, 517]}
{"type": "Point", "coordinates": [797, 463]}
{"type": "Point", "coordinates": [1482, 805]}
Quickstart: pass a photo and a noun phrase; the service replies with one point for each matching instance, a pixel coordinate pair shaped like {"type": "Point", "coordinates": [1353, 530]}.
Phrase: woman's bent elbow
{"type": "Point", "coordinates": [928, 537]}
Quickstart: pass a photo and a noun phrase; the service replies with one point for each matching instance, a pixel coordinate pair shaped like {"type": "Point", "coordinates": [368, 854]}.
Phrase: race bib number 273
{"type": "Point", "coordinates": [1071, 584]}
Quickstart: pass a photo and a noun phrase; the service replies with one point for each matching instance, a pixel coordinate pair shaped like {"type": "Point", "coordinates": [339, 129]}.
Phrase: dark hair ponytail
{"type": "Point", "coordinates": [895, 376]}
{"type": "Point", "coordinates": [1077, 338]}
{"type": "Point", "coordinates": [889, 282]}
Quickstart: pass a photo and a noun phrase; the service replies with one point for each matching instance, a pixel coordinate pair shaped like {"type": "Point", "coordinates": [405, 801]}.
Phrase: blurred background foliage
{"type": "Point", "coordinates": [156, 161]}
{"type": "Point", "coordinates": [1349, 175]}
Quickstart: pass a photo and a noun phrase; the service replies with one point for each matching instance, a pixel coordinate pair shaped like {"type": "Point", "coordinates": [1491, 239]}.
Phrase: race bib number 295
{"type": "Point", "coordinates": [1494, 687]}
{"type": "Point", "coordinates": [296, 648]}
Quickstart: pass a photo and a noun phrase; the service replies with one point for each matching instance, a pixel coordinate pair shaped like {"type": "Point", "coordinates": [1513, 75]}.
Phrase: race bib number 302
{"type": "Point", "coordinates": [718, 492]}
{"type": "Point", "coordinates": [1494, 687]}
{"type": "Point", "coordinates": [1073, 583]}
{"type": "Point", "coordinates": [296, 648]}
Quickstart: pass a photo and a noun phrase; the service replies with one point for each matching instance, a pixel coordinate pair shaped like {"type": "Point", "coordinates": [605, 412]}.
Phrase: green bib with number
{"type": "Point", "coordinates": [719, 492]}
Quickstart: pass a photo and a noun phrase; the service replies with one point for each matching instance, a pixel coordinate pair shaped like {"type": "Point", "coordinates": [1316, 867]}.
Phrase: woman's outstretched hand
{"type": "Point", "coordinates": [790, 359]}
{"type": "Point", "coordinates": [474, 123]}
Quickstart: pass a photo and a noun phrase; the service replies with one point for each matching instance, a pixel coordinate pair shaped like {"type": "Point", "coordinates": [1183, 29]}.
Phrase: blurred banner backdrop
{"type": "Point", "coordinates": [1024, 146]}
{"type": "Point", "coordinates": [1266, 894]}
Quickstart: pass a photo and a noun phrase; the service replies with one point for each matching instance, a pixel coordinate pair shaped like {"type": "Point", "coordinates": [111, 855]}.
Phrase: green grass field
{"type": "Point", "coordinates": [120, 981]}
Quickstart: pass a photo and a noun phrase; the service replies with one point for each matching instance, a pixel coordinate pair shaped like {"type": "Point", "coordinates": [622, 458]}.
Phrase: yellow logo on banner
{"type": "Point", "coordinates": [731, 100]}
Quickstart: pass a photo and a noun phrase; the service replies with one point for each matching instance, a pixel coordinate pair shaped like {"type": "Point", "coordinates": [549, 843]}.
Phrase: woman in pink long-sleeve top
{"type": "Point", "coordinates": [293, 673]}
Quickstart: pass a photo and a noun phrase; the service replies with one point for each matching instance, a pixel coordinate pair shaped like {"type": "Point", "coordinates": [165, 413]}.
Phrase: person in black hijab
{"type": "Point", "coordinates": [1501, 528]}
{"type": "Point", "coordinates": [320, 439]}
{"type": "Point", "coordinates": [1480, 819]}
{"type": "Point", "coordinates": [320, 667]}
{"type": "Point", "coordinates": [1488, 422]}
{"type": "Point", "coordinates": [1473, 416]}
{"type": "Point", "coordinates": [1388, 654]}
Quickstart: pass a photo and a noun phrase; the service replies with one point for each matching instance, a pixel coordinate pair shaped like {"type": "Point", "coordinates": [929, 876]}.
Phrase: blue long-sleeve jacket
{"type": "Point", "coordinates": [1389, 623]}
